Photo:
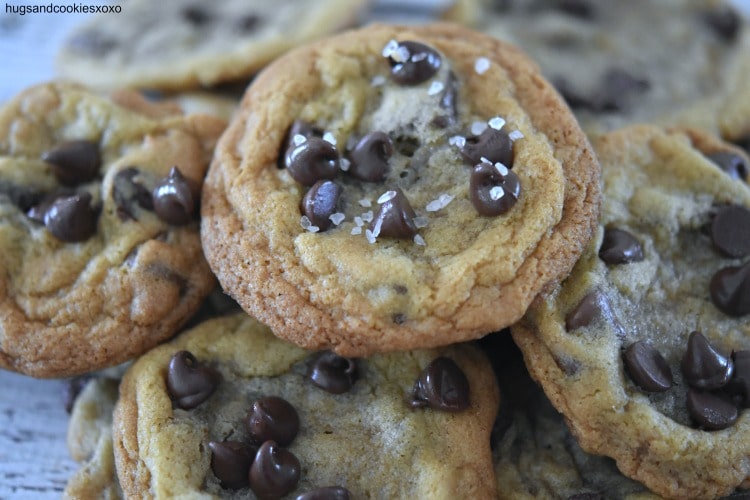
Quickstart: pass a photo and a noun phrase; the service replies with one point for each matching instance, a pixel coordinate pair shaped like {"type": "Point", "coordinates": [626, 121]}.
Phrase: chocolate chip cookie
{"type": "Point", "coordinates": [620, 63]}
{"type": "Point", "coordinates": [100, 255]}
{"type": "Point", "coordinates": [227, 409]}
{"type": "Point", "coordinates": [395, 188]}
{"type": "Point", "coordinates": [645, 347]}
{"type": "Point", "coordinates": [183, 44]}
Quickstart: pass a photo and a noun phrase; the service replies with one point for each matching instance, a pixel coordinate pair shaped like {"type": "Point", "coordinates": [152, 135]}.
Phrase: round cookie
{"type": "Point", "coordinates": [203, 44]}
{"type": "Point", "coordinates": [360, 423]}
{"type": "Point", "coordinates": [100, 255]}
{"type": "Point", "coordinates": [616, 63]}
{"type": "Point", "coordinates": [440, 206]}
{"type": "Point", "coordinates": [644, 348]}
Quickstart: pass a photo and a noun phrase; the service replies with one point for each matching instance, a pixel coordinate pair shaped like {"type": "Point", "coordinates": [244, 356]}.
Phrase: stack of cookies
{"type": "Point", "coordinates": [508, 260]}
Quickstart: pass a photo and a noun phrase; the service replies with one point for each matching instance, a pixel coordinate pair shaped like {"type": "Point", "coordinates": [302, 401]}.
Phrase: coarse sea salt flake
{"type": "Point", "coordinates": [304, 221]}
{"type": "Point", "coordinates": [496, 193]}
{"type": "Point", "coordinates": [337, 218]}
{"type": "Point", "coordinates": [481, 65]}
{"type": "Point", "coordinates": [344, 164]}
{"type": "Point", "coordinates": [387, 196]}
{"type": "Point", "coordinates": [515, 135]}
{"type": "Point", "coordinates": [389, 48]}
{"type": "Point", "coordinates": [457, 140]}
{"type": "Point", "coordinates": [441, 202]}
{"type": "Point", "coordinates": [370, 237]}
{"type": "Point", "coordinates": [364, 202]}
{"type": "Point", "coordinates": [356, 230]}
{"type": "Point", "coordinates": [419, 240]}
{"type": "Point", "coordinates": [329, 138]}
{"type": "Point", "coordinates": [502, 169]}
{"type": "Point", "coordinates": [377, 80]}
{"type": "Point", "coordinates": [367, 216]}
{"type": "Point", "coordinates": [435, 88]}
{"type": "Point", "coordinates": [420, 221]}
{"type": "Point", "coordinates": [478, 127]}
{"type": "Point", "coordinates": [496, 123]}
{"type": "Point", "coordinates": [358, 221]}
{"type": "Point", "coordinates": [313, 229]}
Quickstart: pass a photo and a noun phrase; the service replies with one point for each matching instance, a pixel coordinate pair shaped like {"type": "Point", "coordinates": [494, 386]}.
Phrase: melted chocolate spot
{"type": "Point", "coordinates": [272, 419]}
{"type": "Point", "coordinates": [733, 164]}
{"type": "Point", "coordinates": [394, 218]}
{"type": "Point", "coordinates": [369, 158]}
{"type": "Point", "coordinates": [230, 463]}
{"type": "Point", "coordinates": [327, 493]}
{"type": "Point", "coordinates": [74, 162]}
{"type": "Point", "coordinates": [128, 194]}
{"type": "Point", "coordinates": [594, 306]}
{"type": "Point", "coordinates": [320, 202]}
{"type": "Point", "coordinates": [413, 63]}
{"type": "Point", "coordinates": [312, 160]}
{"type": "Point", "coordinates": [71, 218]}
{"type": "Point", "coordinates": [274, 472]}
{"type": "Point", "coordinates": [492, 145]}
{"type": "Point", "coordinates": [442, 385]}
{"type": "Point", "coordinates": [710, 411]}
{"type": "Point", "coordinates": [703, 366]}
{"type": "Point", "coordinates": [189, 382]}
{"type": "Point", "coordinates": [332, 372]}
{"type": "Point", "coordinates": [620, 247]}
{"type": "Point", "coordinates": [647, 367]}
{"type": "Point", "coordinates": [493, 190]}
{"type": "Point", "coordinates": [730, 231]}
{"type": "Point", "coordinates": [730, 290]}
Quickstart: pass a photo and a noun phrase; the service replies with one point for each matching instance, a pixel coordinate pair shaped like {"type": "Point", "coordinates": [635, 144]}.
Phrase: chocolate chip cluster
{"type": "Point", "coordinates": [262, 462]}
{"type": "Point", "coordinates": [311, 157]}
{"type": "Point", "coordinates": [71, 215]}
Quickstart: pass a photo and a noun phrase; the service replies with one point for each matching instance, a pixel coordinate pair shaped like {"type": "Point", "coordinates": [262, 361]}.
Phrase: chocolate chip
{"type": "Point", "coordinates": [731, 163]}
{"type": "Point", "coordinates": [332, 372]}
{"type": "Point", "coordinates": [730, 290]}
{"type": "Point", "coordinates": [23, 197]}
{"type": "Point", "coordinates": [412, 62]}
{"type": "Point", "coordinates": [492, 145]}
{"type": "Point", "coordinates": [74, 162]}
{"type": "Point", "coordinates": [71, 218]}
{"type": "Point", "coordinates": [647, 367]}
{"type": "Point", "coordinates": [72, 389]}
{"type": "Point", "coordinates": [172, 198]}
{"type": "Point", "coordinates": [230, 463]}
{"type": "Point", "coordinates": [36, 212]}
{"type": "Point", "coordinates": [394, 217]}
{"type": "Point", "coordinates": [327, 493]}
{"type": "Point", "coordinates": [272, 419]}
{"type": "Point", "coordinates": [620, 247]}
{"type": "Point", "coordinates": [92, 43]}
{"type": "Point", "coordinates": [573, 98]}
{"type": "Point", "coordinates": [442, 385]}
{"type": "Point", "coordinates": [248, 23]}
{"type": "Point", "coordinates": [298, 127]}
{"type": "Point", "coordinates": [594, 306]}
{"type": "Point", "coordinates": [275, 471]}
{"type": "Point", "coordinates": [189, 382]}
{"type": "Point", "coordinates": [617, 88]}
{"type": "Point", "coordinates": [703, 366]}
{"type": "Point", "coordinates": [582, 9]}
{"type": "Point", "coordinates": [320, 202]}
{"type": "Point", "coordinates": [730, 231]}
{"type": "Point", "coordinates": [369, 158]}
{"type": "Point", "coordinates": [448, 102]}
{"type": "Point", "coordinates": [493, 189]}
{"type": "Point", "coordinates": [196, 15]}
{"type": "Point", "coordinates": [739, 386]}
{"type": "Point", "coordinates": [710, 411]}
{"type": "Point", "coordinates": [312, 160]}
{"type": "Point", "coordinates": [128, 193]}
{"type": "Point", "coordinates": [724, 21]}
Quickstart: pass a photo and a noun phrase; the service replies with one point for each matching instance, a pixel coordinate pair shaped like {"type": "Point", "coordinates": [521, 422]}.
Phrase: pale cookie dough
{"type": "Point", "coordinates": [100, 255]}
{"type": "Point", "coordinates": [645, 349]}
{"type": "Point", "coordinates": [181, 44]}
{"type": "Point", "coordinates": [465, 188]}
{"type": "Point", "coordinates": [359, 426]}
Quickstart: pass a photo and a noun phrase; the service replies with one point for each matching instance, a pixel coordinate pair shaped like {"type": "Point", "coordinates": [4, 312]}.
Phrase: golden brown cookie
{"type": "Point", "coordinates": [227, 409]}
{"type": "Point", "coordinates": [645, 348]}
{"type": "Point", "coordinates": [100, 255]}
{"type": "Point", "coordinates": [395, 188]}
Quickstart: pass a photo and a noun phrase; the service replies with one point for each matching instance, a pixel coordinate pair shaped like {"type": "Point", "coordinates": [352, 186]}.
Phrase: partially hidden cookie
{"type": "Point", "coordinates": [645, 348]}
{"type": "Point", "coordinates": [395, 188]}
{"type": "Point", "coordinates": [100, 254]}
{"type": "Point", "coordinates": [229, 410]}
{"type": "Point", "coordinates": [618, 63]}
{"type": "Point", "coordinates": [182, 44]}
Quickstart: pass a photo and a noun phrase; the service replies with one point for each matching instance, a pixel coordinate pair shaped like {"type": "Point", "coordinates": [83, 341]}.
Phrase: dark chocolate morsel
{"type": "Point", "coordinates": [413, 63]}
{"type": "Point", "coordinates": [91, 42]}
{"type": "Point", "coordinates": [647, 367]}
{"type": "Point", "coordinates": [448, 103]}
{"type": "Point", "coordinates": [394, 218]}
{"type": "Point", "coordinates": [71, 218]}
{"type": "Point", "coordinates": [724, 21]}
{"type": "Point", "coordinates": [272, 419]}
{"type": "Point", "coordinates": [312, 160]}
{"type": "Point", "coordinates": [189, 382]}
{"type": "Point", "coordinates": [740, 384]}
{"type": "Point", "coordinates": [298, 127]}
{"type": "Point", "coordinates": [730, 290]}
{"type": "Point", "coordinates": [493, 190]}
{"type": "Point", "coordinates": [41, 205]}
{"type": "Point", "coordinates": [369, 158]}
{"type": "Point", "coordinates": [733, 164]}
{"type": "Point", "coordinates": [230, 463]}
{"type": "Point", "coordinates": [196, 15]}
{"type": "Point", "coordinates": [248, 23]}
{"type": "Point", "coordinates": [730, 231]}
{"type": "Point", "coordinates": [592, 307]}
{"type": "Point", "coordinates": [617, 88]}
{"type": "Point", "coordinates": [274, 472]}
{"type": "Point", "coordinates": [710, 411]}
{"type": "Point", "coordinates": [23, 197]}
{"type": "Point", "coordinates": [72, 389]}
{"type": "Point", "coordinates": [320, 202]}
{"type": "Point", "coordinates": [74, 162]}
{"type": "Point", "coordinates": [442, 385]}
{"type": "Point", "coordinates": [493, 145]}
{"type": "Point", "coordinates": [173, 199]}
{"type": "Point", "coordinates": [331, 372]}
{"type": "Point", "coordinates": [620, 247]}
{"type": "Point", "coordinates": [128, 192]}
{"type": "Point", "coordinates": [326, 493]}
{"type": "Point", "coordinates": [703, 366]}
{"type": "Point", "coordinates": [583, 9]}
